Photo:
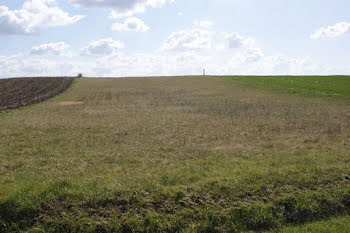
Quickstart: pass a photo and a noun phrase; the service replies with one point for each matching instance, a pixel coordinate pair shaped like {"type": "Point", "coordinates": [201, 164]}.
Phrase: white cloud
{"type": "Point", "coordinates": [121, 8]}
{"type": "Point", "coordinates": [58, 48]}
{"type": "Point", "coordinates": [188, 39]}
{"type": "Point", "coordinates": [235, 40]}
{"type": "Point", "coordinates": [34, 15]}
{"type": "Point", "coordinates": [207, 40]}
{"type": "Point", "coordinates": [130, 24]}
{"type": "Point", "coordinates": [336, 30]}
{"type": "Point", "coordinates": [102, 47]}
{"type": "Point", "coordinates": [250, 55]}
{"type": "Point", "coordinates": [203, 23]}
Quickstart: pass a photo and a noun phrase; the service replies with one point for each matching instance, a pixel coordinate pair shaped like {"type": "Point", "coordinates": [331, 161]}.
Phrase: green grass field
{"type": "Point", "coordinates": [184, 154]}
{"type": "Point", "coordinates": [319, 86]}
{"type": "Point", "coordinates": [339, 225]}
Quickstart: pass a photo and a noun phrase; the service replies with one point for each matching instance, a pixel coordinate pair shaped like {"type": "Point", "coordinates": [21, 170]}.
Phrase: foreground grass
{"type": "Point", "coordinates": [319, 86]}
{"type": "Point", "coordinates": [173, 154]}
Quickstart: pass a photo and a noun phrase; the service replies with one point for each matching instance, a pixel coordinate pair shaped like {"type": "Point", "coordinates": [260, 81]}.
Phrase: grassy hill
{"type": "Point", "coordinates": [190, 154]}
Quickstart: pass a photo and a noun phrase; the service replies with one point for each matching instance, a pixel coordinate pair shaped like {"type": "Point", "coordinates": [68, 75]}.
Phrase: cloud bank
{"type": "Point", "coordinates": [184, 52]}
{"type": "Point", "coordinates": [50, 48]}
{"type": "Point", "coordinates": [105, 46]}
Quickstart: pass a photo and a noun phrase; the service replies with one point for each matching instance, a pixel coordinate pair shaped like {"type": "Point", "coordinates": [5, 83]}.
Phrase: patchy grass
{"type": "Point", "coordinates": [173, 154]}
{"type": "Point", "coordinates": [319, 86]}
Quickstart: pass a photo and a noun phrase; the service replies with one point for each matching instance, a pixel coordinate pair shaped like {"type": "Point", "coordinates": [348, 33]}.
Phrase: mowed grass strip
{"type": "Point", "coordinates": [173, 154]}
{"type": "Point", "coordinates": [318, 86]}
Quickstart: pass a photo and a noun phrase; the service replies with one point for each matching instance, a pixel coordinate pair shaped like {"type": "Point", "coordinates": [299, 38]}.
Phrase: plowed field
{"type": "Point", "coordinates": [19, 92]}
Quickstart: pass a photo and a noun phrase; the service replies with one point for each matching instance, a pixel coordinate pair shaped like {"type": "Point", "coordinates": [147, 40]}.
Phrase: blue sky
{"type": "Point", "coordinates": [173, 37]}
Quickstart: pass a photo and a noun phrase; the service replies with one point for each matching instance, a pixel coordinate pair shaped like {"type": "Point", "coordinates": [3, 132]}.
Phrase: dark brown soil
{"type": "Point", "coordinates": [19, 92]}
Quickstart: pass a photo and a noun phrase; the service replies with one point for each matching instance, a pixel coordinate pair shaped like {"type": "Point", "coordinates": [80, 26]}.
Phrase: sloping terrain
{"type": "Point", "coordinates": [190, 154]}
{"type": "Point", "coordinates": [19, 92]}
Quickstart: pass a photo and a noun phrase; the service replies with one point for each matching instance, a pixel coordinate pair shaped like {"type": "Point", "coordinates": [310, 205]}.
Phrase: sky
{"type": "Point", "coordinates": [119, 38]}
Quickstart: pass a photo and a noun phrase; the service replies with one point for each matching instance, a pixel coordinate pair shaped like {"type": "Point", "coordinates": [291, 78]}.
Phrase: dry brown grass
{"type": "Point", "coordinates": [212, 113]}
{"type": "Point", "coordinates": [68, 103]}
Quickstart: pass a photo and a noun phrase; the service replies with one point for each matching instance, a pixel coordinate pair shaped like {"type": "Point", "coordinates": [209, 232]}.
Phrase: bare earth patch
{"type": "Point", "coordinates": [69, 103]}
{"type": "Point", "coordinates": [20, 92]}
